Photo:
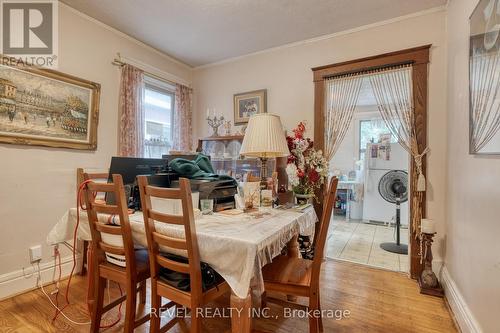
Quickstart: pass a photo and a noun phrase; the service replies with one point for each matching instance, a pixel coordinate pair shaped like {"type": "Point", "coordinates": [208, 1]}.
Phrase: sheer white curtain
{"type": "Point", "coordinates": [393, 92]}
{"type": "Point", "coordinates": [484, 94]}
{"type": "Point", "coordinates": [341, 99]}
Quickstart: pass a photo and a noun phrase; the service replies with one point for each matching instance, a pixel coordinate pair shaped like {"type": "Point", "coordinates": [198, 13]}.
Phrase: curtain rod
{"type": "Point", "coordinates": [370, 71]}
{"type": "Point", "coordinates": [122, 61]}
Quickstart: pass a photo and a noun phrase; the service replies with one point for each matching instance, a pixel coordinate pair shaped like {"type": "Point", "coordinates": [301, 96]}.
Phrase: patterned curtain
{"type": "Point", "coordinates": [131, 131]}
{"type": "Point", "coordinates": [183, 118]}
{"type": "Point", "coordinates": [341, 99]}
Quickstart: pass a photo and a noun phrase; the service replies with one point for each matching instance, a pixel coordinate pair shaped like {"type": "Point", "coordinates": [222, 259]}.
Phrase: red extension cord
{"type": "Point", "coordinates": [79, 205]}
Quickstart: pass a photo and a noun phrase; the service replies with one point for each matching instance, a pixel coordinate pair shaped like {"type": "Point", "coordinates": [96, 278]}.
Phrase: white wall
{"type": "Point", "coordinates": [473, 192]}
{"type": "Point", "coordinates": [37, 185]}
{"type": "Point", "coordinates": [286, 74]}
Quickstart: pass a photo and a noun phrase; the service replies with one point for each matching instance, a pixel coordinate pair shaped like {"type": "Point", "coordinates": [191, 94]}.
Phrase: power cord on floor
{"type": "Point", "coordinates": [39, 284]}
{"type": "Point", "coordinates": [57, 258]}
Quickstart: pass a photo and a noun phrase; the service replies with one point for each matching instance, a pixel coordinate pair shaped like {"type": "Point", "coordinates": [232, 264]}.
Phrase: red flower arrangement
{"type": "Point", "coordinates": [307, 169]}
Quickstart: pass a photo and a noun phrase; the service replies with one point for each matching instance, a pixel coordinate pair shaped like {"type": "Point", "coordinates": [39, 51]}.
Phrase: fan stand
{"type": "Point", "coordinates": [396, 247]}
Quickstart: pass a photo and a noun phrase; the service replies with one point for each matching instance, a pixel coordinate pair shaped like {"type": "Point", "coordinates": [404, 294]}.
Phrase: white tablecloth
{"type": "Point", "coordinates": [237, 247]}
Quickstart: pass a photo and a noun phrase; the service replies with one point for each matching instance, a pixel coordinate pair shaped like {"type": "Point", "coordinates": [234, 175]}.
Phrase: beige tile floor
{"type": "Point", "coordinates": [359, 242]}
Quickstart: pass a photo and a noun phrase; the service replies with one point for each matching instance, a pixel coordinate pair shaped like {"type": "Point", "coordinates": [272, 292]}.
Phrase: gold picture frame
{"type": "Point", "coordinates": [43, 107]}
{"type": "Point", "coordinates": [249, 103]}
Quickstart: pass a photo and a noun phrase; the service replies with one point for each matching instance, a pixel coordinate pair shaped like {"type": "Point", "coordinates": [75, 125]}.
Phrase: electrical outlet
{"type": "Point", "coordinates": [35, 253]}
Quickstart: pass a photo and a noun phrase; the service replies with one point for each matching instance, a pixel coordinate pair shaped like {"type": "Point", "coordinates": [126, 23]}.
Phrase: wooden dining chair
{"type": "Point", "coordinates": [300, 277]}
{"type": "Point", "coordinates": [196, 297]}
{"type": "Point", "coordinates": [136, 270]}
{"type": "Point", "coordinates": [97, 176]}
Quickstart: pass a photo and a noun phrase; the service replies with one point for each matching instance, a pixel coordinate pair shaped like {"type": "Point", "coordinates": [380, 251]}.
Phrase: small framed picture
{"type": "Point", "coordinates": [249, 103]}
{"type": "Point", "coordinates": [251, 194]}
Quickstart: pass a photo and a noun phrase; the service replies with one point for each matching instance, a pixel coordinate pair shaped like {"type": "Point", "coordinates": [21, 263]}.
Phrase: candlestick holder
{"type": "Point", "coordinates": [215, 123]}
{"type": "Point", "coordinates": [427, 280]}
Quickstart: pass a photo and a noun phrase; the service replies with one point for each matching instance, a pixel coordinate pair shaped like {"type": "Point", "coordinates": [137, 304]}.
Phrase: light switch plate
{"type": "Point", "coordinates": [35, 253]}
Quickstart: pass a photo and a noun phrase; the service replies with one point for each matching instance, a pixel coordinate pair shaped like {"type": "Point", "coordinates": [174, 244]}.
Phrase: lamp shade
{"type": "Point", "coordinates": [264, 137]}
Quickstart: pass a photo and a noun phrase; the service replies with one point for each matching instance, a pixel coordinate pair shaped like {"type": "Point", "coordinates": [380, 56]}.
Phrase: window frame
{"type": "Point", "coordinates": [162, 87]}
{"type": "Point", "coordinates": [360, 149]}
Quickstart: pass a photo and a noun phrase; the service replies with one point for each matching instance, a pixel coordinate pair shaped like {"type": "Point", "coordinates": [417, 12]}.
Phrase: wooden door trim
{"type": "Point", "coordinates": [419, 58]}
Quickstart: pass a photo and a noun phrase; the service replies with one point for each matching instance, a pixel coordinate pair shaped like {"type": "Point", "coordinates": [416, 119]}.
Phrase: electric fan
{"type": "Point", "coordinates": [393, 187]}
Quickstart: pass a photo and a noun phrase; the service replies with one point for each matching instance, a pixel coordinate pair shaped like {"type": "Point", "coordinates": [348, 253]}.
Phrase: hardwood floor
{"type": "Point", "coordinates": [377, 301]}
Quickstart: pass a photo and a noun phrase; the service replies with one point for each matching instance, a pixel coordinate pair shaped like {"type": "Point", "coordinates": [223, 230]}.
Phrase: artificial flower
{"type": "Point", "coordinates": [307, 168]}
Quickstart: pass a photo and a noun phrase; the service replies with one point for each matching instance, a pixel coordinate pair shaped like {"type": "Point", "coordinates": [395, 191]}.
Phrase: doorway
{"type": "Point", "coordinates": [367, 224]}
{"type": "Point", "coordinates": [418, 59]}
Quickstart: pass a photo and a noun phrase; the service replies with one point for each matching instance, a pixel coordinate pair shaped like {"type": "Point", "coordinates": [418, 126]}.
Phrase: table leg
{"type": "Point", "coordinates": [293, 252]}
{"type": "Point", "coordinates": [85, 244]}
{"type": "Point", "coordinates": [293, 247]}
{"type": "Point", "coordinates": [241, 321]}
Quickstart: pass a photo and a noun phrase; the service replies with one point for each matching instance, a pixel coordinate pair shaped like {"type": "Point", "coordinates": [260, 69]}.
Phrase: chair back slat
{"type": "Point", "coordinates": [118, 250]}
{"type": "Point", "coordinates": [100, 176]}
{"type": "Point", "coordinates": [98, 228]}
{"type": "Point", "coordinates": [170, 242]}
{"type": "Point", "coordinates": [188, 244]}
{"type": "Point", "coordinates": [106, 209]}
{"type": "Point", "coordinates": [330, 195]}
{"type": "Point", "coordinates": [101, 187]}
{"type": "Point", "coordinates": [108, 229]}
{"type": "Point", "coordinates": [166, 218]}
{"type": "Point", "coordinates": [172, 265]}
{"type": "Point", "coordinates": [164, 193]}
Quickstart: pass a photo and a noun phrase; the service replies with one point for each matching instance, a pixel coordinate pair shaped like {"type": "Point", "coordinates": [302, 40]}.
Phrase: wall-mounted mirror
{"type": "Point", "coordinates": [484, 78]}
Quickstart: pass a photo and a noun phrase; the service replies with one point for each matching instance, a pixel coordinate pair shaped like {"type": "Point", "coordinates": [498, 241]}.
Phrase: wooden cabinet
{"type": "Point", "coordinates": [224, 152]}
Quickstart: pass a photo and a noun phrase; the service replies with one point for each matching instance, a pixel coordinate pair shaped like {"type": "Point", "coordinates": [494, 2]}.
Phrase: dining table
{"type": "Point", "coordinates": [235, 244]}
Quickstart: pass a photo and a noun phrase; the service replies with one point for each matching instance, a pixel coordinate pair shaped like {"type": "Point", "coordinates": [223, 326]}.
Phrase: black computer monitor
{"type": "Point", "coordinates": [131, 167]}
{"type": "Point", "coordinates": [189, 157]}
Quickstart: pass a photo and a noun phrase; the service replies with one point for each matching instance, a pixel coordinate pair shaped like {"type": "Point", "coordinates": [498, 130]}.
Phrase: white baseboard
{"type": "Point", "coordinates": [461, 311]}
{"type": "Point", "coordinates": [18, 282]}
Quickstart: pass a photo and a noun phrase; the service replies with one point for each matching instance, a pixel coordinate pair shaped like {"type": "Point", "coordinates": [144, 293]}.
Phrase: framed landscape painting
{"type": "Point", "coordinates": [249, 103]}
{"type": "Point", "coordinates": [47, 108]}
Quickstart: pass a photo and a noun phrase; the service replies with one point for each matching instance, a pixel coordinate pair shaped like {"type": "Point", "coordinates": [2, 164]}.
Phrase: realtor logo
{"type": "Point", "coordinates": [29, 31]}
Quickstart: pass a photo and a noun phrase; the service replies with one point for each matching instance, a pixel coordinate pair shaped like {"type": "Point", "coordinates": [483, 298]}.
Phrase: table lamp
{"type": "Point", "coordinates": [264, 138]}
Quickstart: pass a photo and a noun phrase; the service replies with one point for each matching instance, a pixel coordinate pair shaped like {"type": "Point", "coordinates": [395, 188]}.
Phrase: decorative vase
{"type": "Point", "coordinates": [301, 199]}
{"type": "Point", "coordinates": [427, 280]}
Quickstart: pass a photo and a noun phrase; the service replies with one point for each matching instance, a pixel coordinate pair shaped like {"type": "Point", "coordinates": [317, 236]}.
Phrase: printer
{"type": "Point", "coordinates": [221, 191]}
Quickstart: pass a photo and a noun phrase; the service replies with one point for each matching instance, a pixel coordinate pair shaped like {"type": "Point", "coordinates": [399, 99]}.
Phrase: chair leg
{"type": "Point", "coordinates": [142, 292]}
{"type": "Point", "coordinates": [155, 315]}
{"type": "Point", "coordinates": [100, 284]}
{"type": "Point", "coordinates": [313, 320]}
{"type": "Point", "coordinates": [320, 318]}
{"type": "Point", "coordinates": [195, 320]}
{"type": "Point", "coordinates": [131, 307]}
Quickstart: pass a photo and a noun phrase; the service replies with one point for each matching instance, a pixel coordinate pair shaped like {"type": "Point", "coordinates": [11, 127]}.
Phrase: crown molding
{"type": "Point", "coordinates": [326, 37]}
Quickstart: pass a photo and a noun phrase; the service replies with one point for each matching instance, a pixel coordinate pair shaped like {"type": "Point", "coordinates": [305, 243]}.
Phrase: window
{"type": "Point", "coordinates": [158, 118]}
{"type": "Point", "coordinates": [370, 131]}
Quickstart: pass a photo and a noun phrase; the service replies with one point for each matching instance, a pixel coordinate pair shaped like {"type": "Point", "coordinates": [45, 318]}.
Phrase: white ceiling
{"type": "Point", "coordinates": [199, 32]}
